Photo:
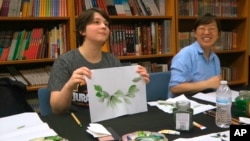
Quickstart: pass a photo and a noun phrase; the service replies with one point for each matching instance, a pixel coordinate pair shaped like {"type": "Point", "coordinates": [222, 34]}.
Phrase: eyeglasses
{"type": "Point", "coordinates": [209, 29]}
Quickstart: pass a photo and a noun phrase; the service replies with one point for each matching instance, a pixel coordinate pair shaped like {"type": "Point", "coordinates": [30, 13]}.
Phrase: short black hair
{"type": "Point", "coordinates": [207, 18]}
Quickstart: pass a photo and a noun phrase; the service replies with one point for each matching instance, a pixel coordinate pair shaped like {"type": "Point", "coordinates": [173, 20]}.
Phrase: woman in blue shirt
{"type": "Point", "coordinates": [196, 67]}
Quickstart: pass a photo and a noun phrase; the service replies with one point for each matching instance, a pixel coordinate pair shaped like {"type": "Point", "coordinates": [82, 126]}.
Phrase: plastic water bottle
{"type": "Point", "coordinates": [223, 105]}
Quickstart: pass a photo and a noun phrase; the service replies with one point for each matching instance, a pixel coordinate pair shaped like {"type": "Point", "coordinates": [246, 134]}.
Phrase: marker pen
{"type": "Point", "coordinates": [172, 132]}
{"type": "Point", "coordinates": [199, 125]}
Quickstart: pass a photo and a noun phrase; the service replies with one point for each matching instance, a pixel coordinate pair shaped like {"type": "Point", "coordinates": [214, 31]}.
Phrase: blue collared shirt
{"type": "Point", "coordinates": [190, 65]}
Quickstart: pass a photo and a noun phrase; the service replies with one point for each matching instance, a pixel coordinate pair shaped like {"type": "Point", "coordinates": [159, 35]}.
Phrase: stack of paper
{"type": "Point", "coordinates": [169, 104]}
{"type": "Point", "coordinates": [24, 127]}
{"type": "Point", "coordinates": [211, 97]}
{"type": "Point", "coordinates": [97, 130]}
{"type": "Point", "coordinates": [221, 136]}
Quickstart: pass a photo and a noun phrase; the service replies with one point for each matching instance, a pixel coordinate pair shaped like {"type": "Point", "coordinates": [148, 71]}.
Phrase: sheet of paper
{"type": "Point", "coordinates": [211, 97]}
{"type": "Point", "coordinates": [97, 130]}
{"type": "Point", "coordinates": [24, 127]}
{"type": "Point", "coordinates": [221, 136]}
{"type": "Point", "coordinates": [168, 105]}
{"type": "Point", "coordinates": [115, 92]}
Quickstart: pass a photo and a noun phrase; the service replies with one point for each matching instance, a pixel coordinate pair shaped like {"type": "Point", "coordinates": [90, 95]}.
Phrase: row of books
{"type": "Point", "coordinates": [140, 39]}
{"type": "Point", "coordinates": [30, 77]}
{"type": "Point", "coordinates": [227, 40]}
{"type": "Point", "coordinates": [124, 7]}
{"type": "Point", "coordinates": [33, 8]}
{"type": "Point", "coordinates": [33, 44]}
{"type": "Point", "coordinates": [150, 66]}
{"type": "Point", "coordinates": [228, 73]}
{"type": "Point", "coordinates": [224, 8]}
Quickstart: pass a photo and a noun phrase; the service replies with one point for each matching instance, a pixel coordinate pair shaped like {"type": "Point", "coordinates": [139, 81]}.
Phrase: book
{"type": "Point", "coordinates": [36, 76]}
{"type": "Point", "coordinates": [133, 8]}
{"type": "Point", "coordinates": [16, 74]}
{"type": "Point", "coordinates": [4, 53]}
{"type": "Point", "coordinates": [5, 8]}
{"type": "Point", "coordinates": [13, 7]}
{"type": "Point", "coordinates": [30, 11]}
{"type": "Point", "coordinates": [142, 8]}
{"type": "Point", "coordinates": [12, 46]}
{"type": "Point", "coordinates": [24, 8]}
{"type": "Point", "coordinates": [35, 40]}
{"type": "Point", "coordinates": [119, 8]}
{"type": "Point", "coordinates": [102, 5]}
{"type": "Point", "coordinates": [111, 7]}
{"type": "Point", "coordinates": [23, 45]}
{"type": "Point", "coordinates": [161, 6]}
{"type": "Point", "coordinates": [19, 8]}
{"type": "Point", "coordinates": [5, 43]}
{"type": "Point", "coordinates": [1, 2]}
{"type": "Point", "coordinates": [126, 8]}
{"type": "Point", "coordinates": [18, 45]}
{"type": "Point", "coordinates": [151, 7]}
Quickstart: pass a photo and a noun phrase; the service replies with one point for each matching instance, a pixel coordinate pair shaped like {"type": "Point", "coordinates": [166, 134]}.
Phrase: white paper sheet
{"type": "Point", "coordinates": [24, 127]}
{"type": "Point", "coordinates": [168, 105]}
{"type": "Point", "coordinates": [211, 97]}
{"type": "Point", "coordinates": [97, 130]}
{"type": "Point", "coordinates": [220, 136]}
{"type": "Point", "coordinates": [115, 92]}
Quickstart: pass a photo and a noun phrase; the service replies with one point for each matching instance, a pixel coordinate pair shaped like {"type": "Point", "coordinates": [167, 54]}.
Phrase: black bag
{"type": "Point", "coordinates": [13, 97]}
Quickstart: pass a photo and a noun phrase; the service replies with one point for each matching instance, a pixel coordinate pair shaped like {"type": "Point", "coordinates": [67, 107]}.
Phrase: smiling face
{"type": "Point", "coordinates": [207, 30]}
{"type": "Point", "coordinates": [207, 35]}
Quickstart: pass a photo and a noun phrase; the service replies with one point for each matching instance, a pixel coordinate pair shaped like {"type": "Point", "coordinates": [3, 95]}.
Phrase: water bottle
{"type": "Point", "coordinates": [223, 105]}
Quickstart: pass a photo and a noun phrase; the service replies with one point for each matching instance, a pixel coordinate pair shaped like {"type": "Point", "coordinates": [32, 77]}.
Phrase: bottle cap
{"type": "Point", "coordinates": [223, 82]}
{"type": "Point", "coordinates": [183, 104]}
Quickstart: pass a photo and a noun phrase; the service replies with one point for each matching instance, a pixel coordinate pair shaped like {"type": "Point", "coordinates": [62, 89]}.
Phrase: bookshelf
{"type": "Point", "coordinates": [234, 18]}
{"type": "Point", "coordinates": [236, 58]}
{"type": "Point", "coordinates": [55, 21]}
{"type": "Point", "coordinates": [130, 23]}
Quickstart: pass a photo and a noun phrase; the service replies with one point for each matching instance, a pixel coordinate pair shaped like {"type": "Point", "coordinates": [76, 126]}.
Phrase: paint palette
{"type": "Point", "coordinates": [144, 136]}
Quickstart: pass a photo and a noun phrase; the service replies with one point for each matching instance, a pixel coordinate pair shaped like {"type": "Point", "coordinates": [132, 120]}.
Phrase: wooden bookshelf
{"type": "Point", "coordinates": [235, 58]}
{"type": "Point", "coordinates": [38, 19]}
{"type": "Point", "coordinates": [125, 20]}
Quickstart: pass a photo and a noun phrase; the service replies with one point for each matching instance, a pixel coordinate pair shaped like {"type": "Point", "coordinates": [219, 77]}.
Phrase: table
{"type": "Point", "coordinates": [153, 120]}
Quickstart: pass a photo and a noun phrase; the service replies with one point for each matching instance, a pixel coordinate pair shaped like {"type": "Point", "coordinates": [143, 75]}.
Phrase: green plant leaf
{"type": "Point", "coordinates": [119, 93]}
{"type": "Point", "coordinates": [127, 100]}
{"type": "Point", "coordinates": [111, 102]}
{"type": "Point", "coordinates": [133, 89]}
{"type": "Point", "coordinates": [98, 88]}
{"type": "Point", "coordinates": [116, 99]}
{"type": "Point", "coordinates": [98, 94]}
{"type": "Point", "coordinates": [131, 95]}
{"type": "Point", "coordinates": [105, 94]}
{"type": "Point", "coordinates": [136, 79]}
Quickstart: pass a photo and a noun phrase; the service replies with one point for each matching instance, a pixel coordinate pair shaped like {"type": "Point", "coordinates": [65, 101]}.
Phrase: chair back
{"type": "Point", "coordinates": [44, 101]}
{"type": "Point", "coordinates": [157, 88]}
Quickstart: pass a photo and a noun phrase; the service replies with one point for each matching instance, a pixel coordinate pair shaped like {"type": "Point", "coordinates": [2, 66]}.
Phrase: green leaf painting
{"type": "Point", "coordinates": [119, 96]}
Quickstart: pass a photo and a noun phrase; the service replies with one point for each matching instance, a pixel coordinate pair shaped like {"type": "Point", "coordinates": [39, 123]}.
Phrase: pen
{"type": "Point", "coordinates": [76, 119]}
{"type": "Point", "coordinates": [199, 125]}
